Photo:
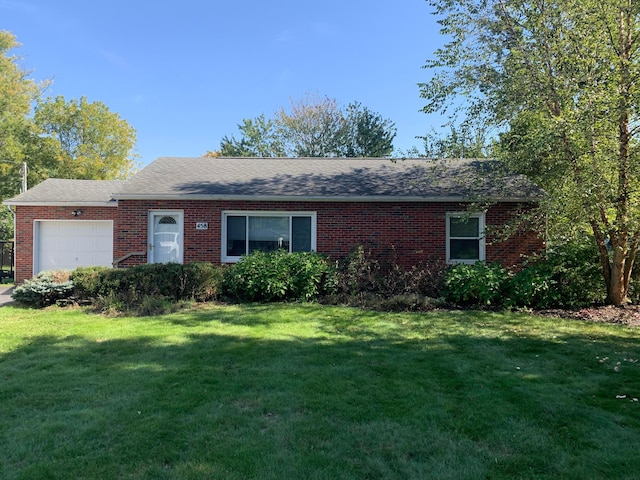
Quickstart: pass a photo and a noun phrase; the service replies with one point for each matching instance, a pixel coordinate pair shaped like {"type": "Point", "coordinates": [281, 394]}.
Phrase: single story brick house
{"type": "Point", "coordinates": [218, 209]}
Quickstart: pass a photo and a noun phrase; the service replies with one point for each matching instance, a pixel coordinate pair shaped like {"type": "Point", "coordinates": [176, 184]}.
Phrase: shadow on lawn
{"type": "Point", "coordinates": [360, 398]}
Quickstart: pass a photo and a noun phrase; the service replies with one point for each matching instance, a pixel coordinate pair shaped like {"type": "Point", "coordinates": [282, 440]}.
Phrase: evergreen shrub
{"type": "Point", "coordinates": [46, 288]}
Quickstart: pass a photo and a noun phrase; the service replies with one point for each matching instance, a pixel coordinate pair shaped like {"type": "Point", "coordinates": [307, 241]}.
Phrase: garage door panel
{"type": "Point", "coordinates": [67, 245]}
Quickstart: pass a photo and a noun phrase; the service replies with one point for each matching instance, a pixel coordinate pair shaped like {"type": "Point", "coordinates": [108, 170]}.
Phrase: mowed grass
{"type": "Point", "coordinates": [316, 392]}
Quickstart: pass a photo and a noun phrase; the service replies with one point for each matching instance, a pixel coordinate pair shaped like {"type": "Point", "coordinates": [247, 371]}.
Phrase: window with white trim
{"type": "Point", "coordinates": [465, 237]}
{"type": "Point", "coordinates": [245, 232]}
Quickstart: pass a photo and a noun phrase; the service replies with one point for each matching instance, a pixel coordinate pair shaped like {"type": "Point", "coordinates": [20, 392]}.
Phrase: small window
{"type": "Point", "coordinates": [246, 232]}
{"type": "Point", "coordinates": [465, 238]}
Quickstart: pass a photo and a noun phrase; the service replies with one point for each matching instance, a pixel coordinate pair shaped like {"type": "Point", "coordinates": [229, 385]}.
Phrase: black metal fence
{"type": "Point", "coordinates": [6, 259]}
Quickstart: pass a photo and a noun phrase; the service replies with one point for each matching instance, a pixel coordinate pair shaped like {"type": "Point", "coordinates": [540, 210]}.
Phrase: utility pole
{"type": "Point", "coordinates": [23, 188]}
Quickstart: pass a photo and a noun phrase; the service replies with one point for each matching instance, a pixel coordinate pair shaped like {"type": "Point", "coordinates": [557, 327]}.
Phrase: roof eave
{"type": "Point", "coordinates": [18, 203]}
{"type": "Point", "coordinates": [320, 198]}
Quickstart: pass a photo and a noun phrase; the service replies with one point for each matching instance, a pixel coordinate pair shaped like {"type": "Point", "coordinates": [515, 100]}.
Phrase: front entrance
{"type": "Point", "coordinates": [165, 237]}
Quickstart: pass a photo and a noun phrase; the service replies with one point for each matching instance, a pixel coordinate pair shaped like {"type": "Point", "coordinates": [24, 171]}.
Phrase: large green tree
{"type": "Point", "coordinates": [366, 133]}
{"type": "Point", "coordinates": [560, 79]}
{"type": "Point", "coordinates": [17, 92]}
{"type": "Point", "coordinates": [461, 141]}
{"type": "Point", "coordinates": [17, 133]}
{"type": "Point", "coordinates": [88, 140]}
{"type": "Point", "coordinates": [314, 127]}
{"type": "Point", "coordinates": [258, 139]}
{"type": "Point", "coordinates": [74, 139]}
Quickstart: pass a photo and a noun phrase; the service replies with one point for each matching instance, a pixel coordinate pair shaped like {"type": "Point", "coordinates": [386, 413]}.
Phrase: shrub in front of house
{"type": "Point", "coordinates": [359, 273]}
{"type": "Point", "coordinates": [279, 276]}
{"type": "Point", "coordinates": [89, 282]}
{"type": "Point", "coordinates": [476, 285]}
{"type": "Point", "coordinates": [380, 282]}
{"type": "Point", "coordinates": [566, 276]}
{"type": "Point", "coordinates": [135, 286]}
{"type": "Point", "coordinates": [46, 288]}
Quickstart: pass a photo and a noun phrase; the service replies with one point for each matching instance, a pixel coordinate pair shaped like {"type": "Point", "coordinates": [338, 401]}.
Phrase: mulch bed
{"type": "Point", "coordinates": [625, 315]}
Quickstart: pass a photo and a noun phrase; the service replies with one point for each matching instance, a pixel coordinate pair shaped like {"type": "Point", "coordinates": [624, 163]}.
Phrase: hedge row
{"type": "Point", "coordinates": [566, 277]}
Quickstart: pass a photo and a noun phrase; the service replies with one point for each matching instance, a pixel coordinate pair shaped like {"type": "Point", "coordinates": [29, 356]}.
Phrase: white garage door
{"type": "Point", "coordinates": [66, 245]}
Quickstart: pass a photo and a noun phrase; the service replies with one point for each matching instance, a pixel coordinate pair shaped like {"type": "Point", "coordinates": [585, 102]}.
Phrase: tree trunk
{"type": "Point", "coordinates": [618, 285]}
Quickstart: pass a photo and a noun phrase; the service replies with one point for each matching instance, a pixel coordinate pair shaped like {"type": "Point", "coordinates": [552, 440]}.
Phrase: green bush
{"type": "Point", "coordinates": [89, 282]}
{"type": "Point", "coordinates": [143, 287]}
{"type": "Point", "coordinates": [476, 285]}
{"type": "Point", "coordinates": [566, 276]}
{"type": "Point", "coordinates": [531, 288]}
{"type": "Point", "coordinates": [46, 288]}
{"type": "Point", "coordinates": [277, 276]}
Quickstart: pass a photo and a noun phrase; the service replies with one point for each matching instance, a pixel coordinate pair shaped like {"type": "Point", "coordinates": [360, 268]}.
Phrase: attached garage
{"type": "Point", "coordinates": [63, 224]}
{"type": "Point", "coordinates": [68, 244]}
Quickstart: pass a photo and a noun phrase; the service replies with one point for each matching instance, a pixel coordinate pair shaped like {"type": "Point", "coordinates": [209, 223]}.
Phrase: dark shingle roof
{"type": "Point", "coordinates": [325, 178]}
{"type": "Point", "coordinates": [56, 191]}
{"type": "Point", "coordinates": [350, 179]}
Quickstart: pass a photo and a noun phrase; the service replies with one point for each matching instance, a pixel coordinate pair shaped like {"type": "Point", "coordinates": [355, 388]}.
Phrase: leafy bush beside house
{"type": "Point", "coordinates": [566, 276]}
{"type": "Point", "coordinates": [279, 276]}
{"type": "Point", "coordinates": [192, 281]}
{"type": "Point", "coordinates": [479, 284]}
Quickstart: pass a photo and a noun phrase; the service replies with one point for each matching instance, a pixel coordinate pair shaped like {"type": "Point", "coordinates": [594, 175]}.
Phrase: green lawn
{"type": "Point", "coordinates": [315, 392]}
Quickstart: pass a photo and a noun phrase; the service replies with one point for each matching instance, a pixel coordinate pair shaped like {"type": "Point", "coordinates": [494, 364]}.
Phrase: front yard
{"type": "Point", "coordinates": [314, 392]}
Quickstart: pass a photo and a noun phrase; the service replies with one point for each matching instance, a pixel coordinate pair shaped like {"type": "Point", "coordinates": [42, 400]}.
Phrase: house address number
{"type": "Point", "coordinates": [202, 226]}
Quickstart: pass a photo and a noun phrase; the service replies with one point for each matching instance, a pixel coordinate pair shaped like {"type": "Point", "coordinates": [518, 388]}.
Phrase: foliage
{"type": "Point", "coordinates": [140, 287]}
{"type": "Point", "coordinates": [46, 288]}
{"type": "Point", "coordinates": [560, 80]}
{"type": "Point", "coordinates": [425, 278]}
{"type": "Point", "coordinates": [359, 273]}
{"type": "Point", "coordinates": [258, 139]}
{"type": "Point", "coordinates": [478, 284]}
{"type": "Point", "coordinates": [366, 133]}
{"type": "Point", "coordinates": [55, 138]}
{"type": "Point", "coordinates": [277, 276]}
{"type": "Point", "coordinates": [566, 276]}
{"type": "Point", "coordinates": [17, 93]}
{"type": "Point", "coordinates": [314, 127]}
{"type": "Point", "coordinates": [462, 141]}
{"type": "Point", "coordinates": [90, 142]}
{"type": "Point", "coordinates": [380, 282]}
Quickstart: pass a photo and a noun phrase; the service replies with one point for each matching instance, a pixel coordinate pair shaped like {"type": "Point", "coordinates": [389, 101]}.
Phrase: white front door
{"type": "Point", "coordinates": [165, 237]}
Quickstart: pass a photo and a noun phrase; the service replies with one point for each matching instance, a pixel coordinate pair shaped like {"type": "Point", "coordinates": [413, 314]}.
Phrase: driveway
{"type": "Point", "coordinates": [5, 295]}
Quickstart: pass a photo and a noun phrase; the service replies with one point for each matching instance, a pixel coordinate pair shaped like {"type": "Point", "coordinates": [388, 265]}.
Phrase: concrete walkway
{"type": "Point", "coordinates": [5, 295]}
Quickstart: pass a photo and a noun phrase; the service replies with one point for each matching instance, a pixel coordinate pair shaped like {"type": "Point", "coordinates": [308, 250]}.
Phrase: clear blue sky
{"type": "Point", "coordinates": [185, 73]}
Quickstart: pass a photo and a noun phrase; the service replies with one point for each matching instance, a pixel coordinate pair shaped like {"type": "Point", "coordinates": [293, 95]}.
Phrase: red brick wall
{"type": "Point", "coordinates": [24, 230]}
{"type": "Point", "coordinates": [417, 231]}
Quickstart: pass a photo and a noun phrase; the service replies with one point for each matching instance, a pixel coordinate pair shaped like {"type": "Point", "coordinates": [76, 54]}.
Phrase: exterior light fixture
{"type": "Point", "coordinates": [76, 213]}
